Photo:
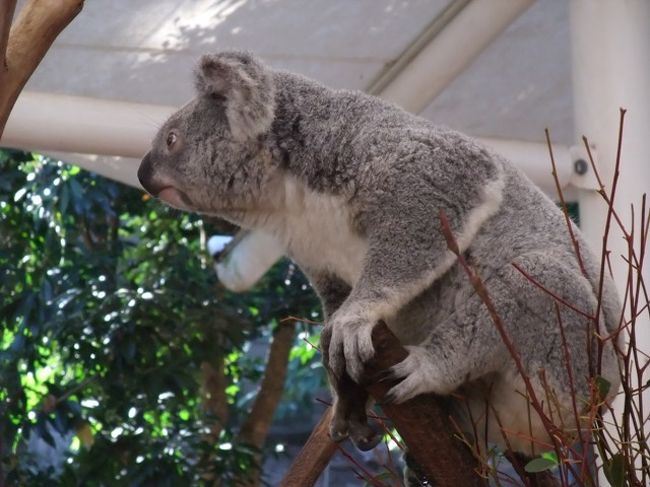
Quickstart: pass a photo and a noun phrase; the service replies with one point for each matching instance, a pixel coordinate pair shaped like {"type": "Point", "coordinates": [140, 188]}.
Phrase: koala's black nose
{"type": "Point", "coordinates": [146, 176]}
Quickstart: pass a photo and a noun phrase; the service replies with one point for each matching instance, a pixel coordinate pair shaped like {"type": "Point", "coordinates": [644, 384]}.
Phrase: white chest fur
{"type": "Point", "coordinates": [318, 234]}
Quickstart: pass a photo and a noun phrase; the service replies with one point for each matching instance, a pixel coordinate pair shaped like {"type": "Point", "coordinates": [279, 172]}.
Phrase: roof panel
{"type": "Point", "coordinates": [519, 85]}
{"type": "Point", "coordinates": [143, 51]}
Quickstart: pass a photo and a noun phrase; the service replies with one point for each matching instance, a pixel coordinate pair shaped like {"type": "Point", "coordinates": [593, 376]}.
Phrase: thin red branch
{"type": "Point", "coordinates": [565, 211]}
{"type": "Point", "coordinates": [549, 292]}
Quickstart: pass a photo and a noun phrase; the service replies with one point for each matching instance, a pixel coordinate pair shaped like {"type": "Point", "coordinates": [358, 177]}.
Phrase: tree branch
{"type": "Point", "coordinates": [423, 423]}
{"type": "Point", "coordinates": [37, 26]}
{"type": "Point", "coordinates": [256, 427]}
{"type": "Point", "coordinates": [314, 456]}
{"type": "Point", "coordinates": [258, 422]}
{"type": "Point", "coordinates": [6, 16]}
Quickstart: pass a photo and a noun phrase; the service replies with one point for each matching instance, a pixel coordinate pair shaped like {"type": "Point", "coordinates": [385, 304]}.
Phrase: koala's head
{"type": "Point", "coordinates": [210, 156]}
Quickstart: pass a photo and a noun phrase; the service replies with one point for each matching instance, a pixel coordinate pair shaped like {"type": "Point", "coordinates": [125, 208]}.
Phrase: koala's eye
{"type": "Point", "coordinates": [171, 139]}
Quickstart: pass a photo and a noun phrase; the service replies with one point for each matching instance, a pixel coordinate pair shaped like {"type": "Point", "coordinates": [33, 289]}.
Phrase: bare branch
{"type": "Point", "coordinates": [258, 421]}
{"type": "Point", "coordinates": [6, 16]}
{"type": "Point", "coordinates": [565, 210]}
{"type": "Point", "coordinates": [314, 456]}
{"type": "Point", "coordinates": [32, 34]}
{"type": "Point", "coordinates": [423, 422]}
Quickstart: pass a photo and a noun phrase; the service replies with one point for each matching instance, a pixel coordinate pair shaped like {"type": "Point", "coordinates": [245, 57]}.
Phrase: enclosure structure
{"type": "Point", "coordinates": [499, 70]}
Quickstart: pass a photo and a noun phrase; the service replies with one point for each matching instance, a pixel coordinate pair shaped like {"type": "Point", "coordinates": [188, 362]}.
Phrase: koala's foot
{"type": "Point", "coordinates": [413, 475]}
{"type": "Point", "coordinates": [363, 435]}
{"type": "Point", "coordinates": [420, 373]}
{"type": "Point", "coordinates": [359, 431]}
{"type": "Point", "coordinates": [350, 418]}
{"type": "Point", "coordinates": [350, 403]}
{"type": "Point", "coordinates": [339, 428]}
{"type": "Point", "coordinates": [351, 343]}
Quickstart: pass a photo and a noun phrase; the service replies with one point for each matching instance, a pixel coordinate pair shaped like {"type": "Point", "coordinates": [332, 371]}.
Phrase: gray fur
{"type": "Point", "coordinates": [353, 187]}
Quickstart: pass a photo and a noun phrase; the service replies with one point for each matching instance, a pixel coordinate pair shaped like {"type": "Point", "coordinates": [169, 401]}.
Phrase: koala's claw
{"type": "Point", "coordinates": [419, 373]}
{"type": "Point", "coordinates": [385, 376]}
{"type": "Point", "coordinates": [338, 435]}
{"type": "Point", "coordinates": [350, 347]}
{"type": "Point", "coordinates": [339, 428]}
{"type": "Point", "coordinates": [363, 436]}
{"type": "Point", "coordinates": [405, 390]}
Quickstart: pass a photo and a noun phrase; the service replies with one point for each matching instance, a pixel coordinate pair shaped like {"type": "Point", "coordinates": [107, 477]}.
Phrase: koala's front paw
{"type": "Point", "coordinates": [351, 344]}
{"type": "Point", "coordinates": [420, 373]}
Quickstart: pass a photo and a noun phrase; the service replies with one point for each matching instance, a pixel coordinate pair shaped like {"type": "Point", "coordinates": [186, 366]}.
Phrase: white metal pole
{"type": "Point", "coordinates": [611, 69]}
{"type": "Point", "coordinates": [452, 48]}
{"type": "Point", "coordinates": [64, 123]}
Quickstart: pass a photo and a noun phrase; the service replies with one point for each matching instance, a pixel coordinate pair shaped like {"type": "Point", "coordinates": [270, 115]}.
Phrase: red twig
{"type": "Point", "coordinates": [565, 211]}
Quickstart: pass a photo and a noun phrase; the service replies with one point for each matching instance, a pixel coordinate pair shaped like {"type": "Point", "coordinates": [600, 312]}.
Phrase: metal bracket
{"type": "Point", "coordinates": [583, 176]}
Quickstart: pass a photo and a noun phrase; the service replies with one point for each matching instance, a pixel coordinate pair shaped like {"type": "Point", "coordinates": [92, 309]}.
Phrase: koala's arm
{"type": "Point", "coordinates": [407, 251]}
{"type": "Point", "coordinates": [331, 290]}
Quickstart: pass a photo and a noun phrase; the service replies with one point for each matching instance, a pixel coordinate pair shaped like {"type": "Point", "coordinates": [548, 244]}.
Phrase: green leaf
{"type": "Point", "coordinates": [551, 456]}
{"type": "Point", "coordinates": [603, 386]}
{"type": "Point", "coordinates": [615, 470]}
{"type": "Point", "coordinates": [540, 464]}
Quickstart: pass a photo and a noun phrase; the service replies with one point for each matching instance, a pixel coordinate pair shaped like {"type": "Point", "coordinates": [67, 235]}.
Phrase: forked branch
{"type": "Point", "coordinates": [423, 422]}
{"type": "Point", "coordinates": [30, 37]}
{"type": "Point", "coordinates": [6, 16]}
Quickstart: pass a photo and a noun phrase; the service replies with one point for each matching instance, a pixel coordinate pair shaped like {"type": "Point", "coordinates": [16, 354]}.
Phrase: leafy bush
{"type": "Point", "coordinates": [109, 309]}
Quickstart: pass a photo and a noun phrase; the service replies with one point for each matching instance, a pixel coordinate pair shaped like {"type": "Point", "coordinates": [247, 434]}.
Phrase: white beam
{"type": "Point", "coordinates": [110, 137]}
{"type": "Point", "coordinates": [443, 51]}
{"type": "Point", "coordinates": [531, 157]}
{"type": "Point", "coordinates": [611, 70]}
{"type": "Point", "coordinates": [52, 122]}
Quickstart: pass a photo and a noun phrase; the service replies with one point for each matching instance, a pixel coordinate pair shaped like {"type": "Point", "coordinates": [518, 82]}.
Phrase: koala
{"type": "Point", "coordinates": [353, 188]}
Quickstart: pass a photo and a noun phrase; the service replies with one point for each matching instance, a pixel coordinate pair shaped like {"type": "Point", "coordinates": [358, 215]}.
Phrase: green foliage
{"type": "Point", "coordinates": [546, 461]}
{"type": "Point", "coordinates": [615, 470]}
{"type": "Point", "coordinates": [603, 386]}
{"type": "Point", "coordinates": [108, 306]}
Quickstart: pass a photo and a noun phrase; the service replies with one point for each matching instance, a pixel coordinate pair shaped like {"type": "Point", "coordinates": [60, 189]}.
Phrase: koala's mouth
{"type": "Point", "coordinates": [174, 197]}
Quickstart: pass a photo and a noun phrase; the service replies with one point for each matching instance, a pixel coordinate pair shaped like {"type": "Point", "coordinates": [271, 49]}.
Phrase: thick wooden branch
{"type": "Point", "coordinates": [423, 423]}
{"type": "Point", "coordinates": [314, 456]}
{"type": "Point", "coordinates": [32, 34]}
{"type": "Point", "coordinates": [7, 9]}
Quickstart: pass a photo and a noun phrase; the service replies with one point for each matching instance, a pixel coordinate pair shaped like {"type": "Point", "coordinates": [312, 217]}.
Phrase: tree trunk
{"type": "Point", "coordinates": [258, 422]}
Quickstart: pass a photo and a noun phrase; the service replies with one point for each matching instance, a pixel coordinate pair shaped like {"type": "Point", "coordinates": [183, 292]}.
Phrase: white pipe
{"type": "Point", "coordinates": [110, 137]}
{"type": "Point", "coordinates": [611, 69]}
{"type": "Point", "coordinates": [249, 260]}
{"type": "Point", "coordinates": [52, 122]}
{"type": "Point", "coordinates": [448, 53]}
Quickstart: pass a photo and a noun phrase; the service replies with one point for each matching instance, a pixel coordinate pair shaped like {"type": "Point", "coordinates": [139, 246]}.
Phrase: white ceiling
{"type": "Point", "coordinates": [143, 51]}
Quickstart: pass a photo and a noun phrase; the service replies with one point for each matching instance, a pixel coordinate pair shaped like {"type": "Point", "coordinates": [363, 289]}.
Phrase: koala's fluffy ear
{"type": "Point", "coordinates": [246, 86]}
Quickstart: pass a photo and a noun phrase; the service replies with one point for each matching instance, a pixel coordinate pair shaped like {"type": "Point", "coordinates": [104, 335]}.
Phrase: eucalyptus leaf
{"type": "Point", "coordinates": [540, 464]}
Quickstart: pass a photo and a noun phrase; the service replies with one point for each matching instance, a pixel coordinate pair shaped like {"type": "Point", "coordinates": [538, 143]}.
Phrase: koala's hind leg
{"type": "Point", "coordinates": [466, 347]}
{"type": "Point", "coordinates": [350, 399]}
{"type": "Point", "coordinates": [350, 403]}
